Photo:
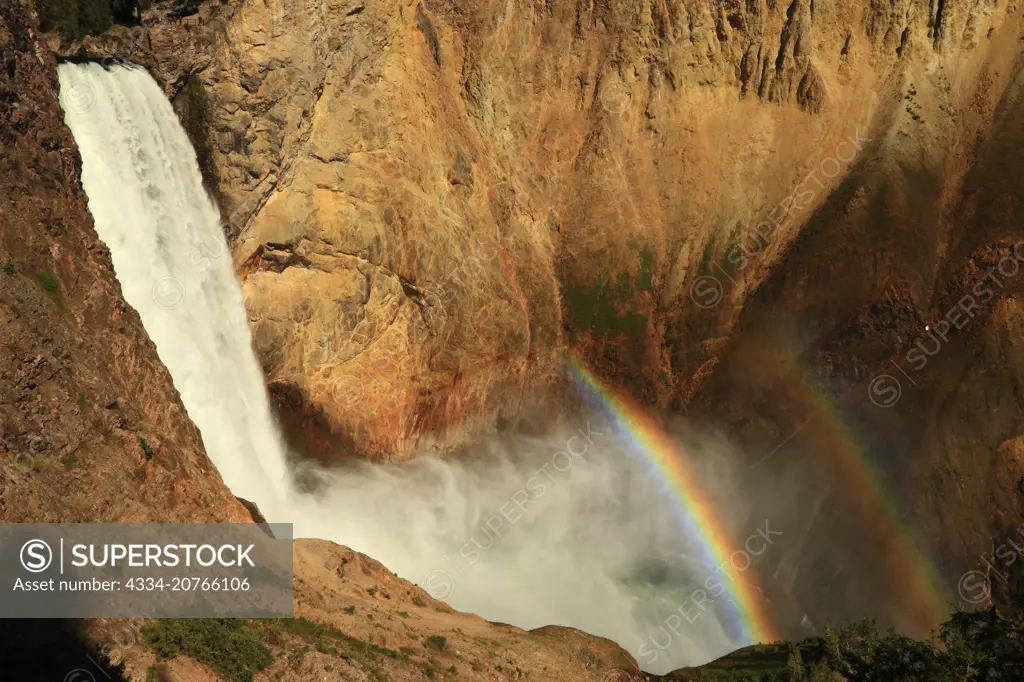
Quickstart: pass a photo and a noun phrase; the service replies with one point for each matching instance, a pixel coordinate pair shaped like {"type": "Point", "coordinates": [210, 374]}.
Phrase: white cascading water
{"type": "Point", "coordinates": [595, 549]}
{"type": "Point", "coordinates": [146, 195]}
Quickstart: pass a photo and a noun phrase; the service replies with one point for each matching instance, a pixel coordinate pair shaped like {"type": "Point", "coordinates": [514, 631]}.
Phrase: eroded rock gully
{"type": "Point", "coordinates": [746, 211]}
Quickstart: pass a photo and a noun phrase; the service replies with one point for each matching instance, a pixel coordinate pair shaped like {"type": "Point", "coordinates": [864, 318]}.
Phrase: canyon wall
{"type": "Point", "coordinates": [91, 427]}
{"type": "Point", "coordinates": [431, 202]}
{"type": "Point", "coordinates": [748, 212]}
{"type": "Point", "coordinates": [92, 430]}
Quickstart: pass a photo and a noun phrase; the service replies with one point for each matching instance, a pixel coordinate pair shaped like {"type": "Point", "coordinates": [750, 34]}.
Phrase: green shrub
{"type": "Point", "coordinates": [70, 460]}
{"type": "Point", "coordinates": [348, 645]}
{"type": "Point", "coordinates": [49, 283]}
{"type": "Point", "coordinates": [970, 646]}
{"type": "Point", "coordinates": [229, 647]}
{"type": "Point", "coordinates": [146, 449]}
{"type": "Point", "coordinates": [75, 18]}
{"type": "Point", "coordinates": [79, 18]}
{"type": "Point", "coordinates": [436, 642]}
{"type": "Point", "coordinates": [157, 672]}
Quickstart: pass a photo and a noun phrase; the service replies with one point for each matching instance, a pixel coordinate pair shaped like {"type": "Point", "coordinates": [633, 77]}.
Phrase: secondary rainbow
{"type": "Point", "coordinates": [880, 511]}
{"type": "Point", "coordinates": [693, 508]}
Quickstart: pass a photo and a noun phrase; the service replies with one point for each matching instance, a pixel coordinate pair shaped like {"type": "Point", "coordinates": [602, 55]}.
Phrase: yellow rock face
{"type": "Point", "coordinates": [451, 193]}
{"type": "Point", "coordinates": [430, 201]}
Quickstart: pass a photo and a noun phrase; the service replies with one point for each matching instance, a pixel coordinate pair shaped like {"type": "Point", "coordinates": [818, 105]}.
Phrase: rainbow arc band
{"type": "Point", "coordinates": [649, 440]}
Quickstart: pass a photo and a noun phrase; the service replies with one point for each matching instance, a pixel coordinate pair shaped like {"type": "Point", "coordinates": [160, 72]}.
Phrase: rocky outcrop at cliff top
{"type": "Point", "coordinates": [746, 211]}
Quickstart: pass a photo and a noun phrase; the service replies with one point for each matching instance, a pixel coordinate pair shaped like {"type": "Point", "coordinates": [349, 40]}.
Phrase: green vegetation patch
{"type": "Point", "coordinates": [70, 460]}
{"type": "Point", "coordinates": [50, 285]}
{"type": "Point", "coordinates": [603, 307]}
{"type": "Point", "coordinates": [437, 642]}
{"type": "Point", "coordinates": [326, 649]}
{"type": "Point", "coordinates": [232, 648]}
{"type": "Point", "coordinates": [80, 18]}
{"type": "Point", "coordinates": [158, 672]}
{"type": "Point", "coordinates": [329, 639]}
{"type": "Point", "coordinates": [147, 450]}
{"type": "Point", "coordinates": [970, 646]}
{"type": "Point", "coordinates": [75, 18]}
{"type": "Point", "coordinates": [707, 258]}
{"type": "Point", "coordinates": [48, 282]}
{"type": "Point", "coordinates": [607, 307]}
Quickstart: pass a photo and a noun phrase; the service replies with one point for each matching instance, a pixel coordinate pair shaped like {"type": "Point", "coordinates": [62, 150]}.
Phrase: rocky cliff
{"type": "Point", "coordinates": [92, 430]}
{"type": "Point", "coordinates": [438, 199]}
{"type": "Point", "coordinates": [91, 427]}
{"type": "Point", "coordinates": [749, 212]}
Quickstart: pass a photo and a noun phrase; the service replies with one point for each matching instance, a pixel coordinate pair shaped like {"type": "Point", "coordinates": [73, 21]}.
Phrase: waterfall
{"type": "Point", "coordinates": [509, 533]}
{"type": "Point", "coordinates": [174, 265]}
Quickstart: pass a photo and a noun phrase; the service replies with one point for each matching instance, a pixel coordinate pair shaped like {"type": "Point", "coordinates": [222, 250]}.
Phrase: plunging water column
{"type": "Point", "coordinates": [174, 265]}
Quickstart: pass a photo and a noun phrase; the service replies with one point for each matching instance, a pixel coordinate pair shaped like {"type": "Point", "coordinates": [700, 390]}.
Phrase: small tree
{"type": "Point", "coordinates": [795, 665]}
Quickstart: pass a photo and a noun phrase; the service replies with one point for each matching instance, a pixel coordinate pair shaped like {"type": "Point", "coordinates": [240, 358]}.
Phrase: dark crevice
{"type": "Point", "coordinates": [940, 6]}
{"type": "Point", "coordinates": [904, 38]}
{"type": "Point", "coordinates": [425, 26]}
{"type": "Point", "coordinates": [780, 58]}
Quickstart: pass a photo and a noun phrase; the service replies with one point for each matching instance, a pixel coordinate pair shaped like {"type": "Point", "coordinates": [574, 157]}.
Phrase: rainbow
{"type": "Point", "coordinates": [693, 508]}
{"type": "Point", "coordinates": [829, 429]}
